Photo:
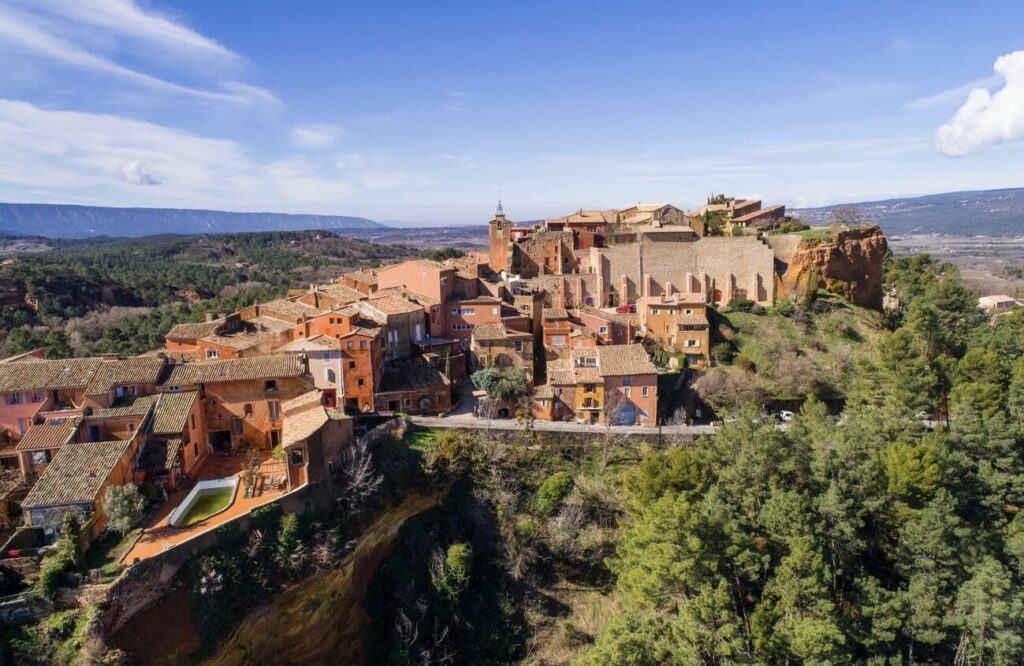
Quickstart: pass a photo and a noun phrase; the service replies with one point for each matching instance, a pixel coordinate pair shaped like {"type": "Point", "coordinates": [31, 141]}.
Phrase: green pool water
{"type": "Point", "coordinates": [206, 505]}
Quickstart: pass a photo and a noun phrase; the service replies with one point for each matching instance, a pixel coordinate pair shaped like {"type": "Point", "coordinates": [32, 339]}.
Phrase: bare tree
{"type": "Point", "coordinates": [360, 478]}
{"type": "Point", "coordinates": [726, 389]}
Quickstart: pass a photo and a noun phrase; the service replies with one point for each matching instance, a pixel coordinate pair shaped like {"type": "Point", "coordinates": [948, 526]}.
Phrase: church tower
{"type": "Point", "coordinates": [499, 235]}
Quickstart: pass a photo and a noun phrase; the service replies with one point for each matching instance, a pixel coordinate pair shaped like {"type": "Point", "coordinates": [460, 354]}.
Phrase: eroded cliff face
{"type": "Point", "coordinates": [848, 263]}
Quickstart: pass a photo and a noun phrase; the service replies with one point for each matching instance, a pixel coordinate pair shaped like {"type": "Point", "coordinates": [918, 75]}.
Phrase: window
{"type": "Point", "coordinates": [351, 365]}
{"type": "Point", "coordinates": [12, 398]}
{"type": "Point", "coordinates": [645, 391]}
{"type": "Point", "coordinates": [494, 311]}
{"type": "Point", "coordinates": [295, 456]}
{"type": "Point", "coordinates": [212, 353]}
{"type": "Point", "coordinates": [602, 329]}
{"type": "Point", "coordinates": [270, 385]}
{"type": "Point", "coordinates": [350, 345]}
{"type": "Point", "coordinates": [626, 390]}
{"type": "Point", "coordinates": [21, 426]}
{"type": "Point", "coordinates": [40, 457]}
{"type": "Point", "coordinates": [193, 421]}
{"type": "Point", "coordinates": [362, 344]}
{"type": "Point", "coordinates": [557, 340]}
{"type": "Point", "coordinates": [688, 311]}
{"type": "Point", "coordinates": [173, 389]}
{"type": "Point", "coordinates": [38, 396]}
{"type": "Point", "coordinates": [655, 311]}
{"type": "Point", "coordinates": [195, 450]}
{"type": "Point", "coordinates": [408, 402]}
{"type": "Point", "coordinates": [627, 381]}
{"type": "Point", "coordinates": [247, 409]}
{"type": "Point", "coordinates": [360, 381]}
{"type": "Point", "coordinates": [543, 403]}
{"type": "Point", "coordinates": [444, 281]}
{"type": "Point", "coordinates": [330, 376]}
{"type": "Point", "coordinates": [236, 425]}
{"type": "Point", "coordinates": [274, 407]}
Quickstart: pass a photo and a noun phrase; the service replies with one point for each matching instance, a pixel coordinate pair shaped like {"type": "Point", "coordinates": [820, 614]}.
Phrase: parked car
{"type": "Point", "coordinates": [626, 308]}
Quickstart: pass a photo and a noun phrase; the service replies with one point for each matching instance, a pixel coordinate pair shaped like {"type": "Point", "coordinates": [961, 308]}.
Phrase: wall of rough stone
{"type": "Point", "coordinates": [740, 266]}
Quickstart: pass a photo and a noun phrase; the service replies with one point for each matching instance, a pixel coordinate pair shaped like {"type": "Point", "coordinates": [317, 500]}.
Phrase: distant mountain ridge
{"type": "Point", "coordinates": [72, 221]}
{"type": "Point", "coordinates": [969, 213]}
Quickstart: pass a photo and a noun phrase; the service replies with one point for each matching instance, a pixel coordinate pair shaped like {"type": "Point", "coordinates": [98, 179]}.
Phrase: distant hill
{"type": "Point", "coordinates": [975, 213]}
{"type": "Point", "coordinates": [66, 221]}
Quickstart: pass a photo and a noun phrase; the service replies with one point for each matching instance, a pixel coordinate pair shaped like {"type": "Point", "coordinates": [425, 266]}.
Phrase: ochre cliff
{"type": "Point", "coordinates": [847, 262]}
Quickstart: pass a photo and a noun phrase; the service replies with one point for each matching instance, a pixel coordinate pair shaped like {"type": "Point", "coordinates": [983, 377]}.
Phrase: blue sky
{"type": "Point", "coordinates": [421, 112]}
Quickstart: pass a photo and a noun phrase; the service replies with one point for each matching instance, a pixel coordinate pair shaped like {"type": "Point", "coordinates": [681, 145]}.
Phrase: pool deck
{"type": "Point", "coordinates": [157, 536]}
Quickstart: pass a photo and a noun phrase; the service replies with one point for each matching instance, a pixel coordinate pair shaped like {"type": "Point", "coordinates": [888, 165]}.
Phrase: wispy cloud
{"type": "Point", "coordinates": [457, 100]}
{"type": "Point", "coordinates": [950, 96]}
{"type": "Point", "coordinates": [988, 118]}
{"type": "Point", "coordinates": [82, 156]}
{"type": "Point", "coordinates": [315, 136]}
{"type": "Point", "coordinates": [38, 34]}
{"type": "Point", "coordinates": [127, 19]}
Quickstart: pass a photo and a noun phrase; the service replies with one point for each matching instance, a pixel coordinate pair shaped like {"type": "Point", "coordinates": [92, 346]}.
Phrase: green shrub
{"type": "Point", "coordinates": [149, 491]}
{"type": "Point", "coordinates": [124, 506]}
{"type": "Point", "coordinates": [452, 576]}
{"type": "Point", "coordinates": [723, 353]}
{"type": "Point", "coordinates": [740, 304]}
{"type": "Point", "coordinates": [551, 492]}
{"type": "Point", "coordinates": [63, 557]}
{"type": "Point", "coordinates": [287, 534]}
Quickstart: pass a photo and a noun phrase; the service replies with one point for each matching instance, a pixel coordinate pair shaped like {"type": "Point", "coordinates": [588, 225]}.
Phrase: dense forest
{"type": "Point", "coordinates": [121, 295]}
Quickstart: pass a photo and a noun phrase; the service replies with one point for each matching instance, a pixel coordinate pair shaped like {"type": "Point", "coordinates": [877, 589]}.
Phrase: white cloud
{"type": "Point", "coordinates": [71, 156]}
{"type": "Point", "coordinates": [126, 18]}
{"type": "Point", "coordinates": [988, 118]}
{"type": "Point", "coordinates": [135, 173]}
{"type": "Point", "coordinates": [949, 96]}
{"type": "Point", "coordinates": [36, 35]}
{"type": "Point", "coordinates": [315, 136]}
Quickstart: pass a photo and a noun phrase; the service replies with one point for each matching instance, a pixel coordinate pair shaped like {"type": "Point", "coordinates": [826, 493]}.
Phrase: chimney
{"type": "Point", "coordinates": [668, 288]}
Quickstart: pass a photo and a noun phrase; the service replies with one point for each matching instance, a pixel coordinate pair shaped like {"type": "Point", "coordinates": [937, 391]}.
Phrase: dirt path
{"type": "Point", "coordinates": [321, 619]}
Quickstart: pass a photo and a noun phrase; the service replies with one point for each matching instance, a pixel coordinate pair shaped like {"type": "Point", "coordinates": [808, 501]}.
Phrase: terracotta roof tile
{"type": "Point", "coordinates": [122, 372]}
{"type": "Point", "coordinates": [76, 474]}
{"type": "Point", "coordinates": [193, 330]}
{"type": "Point", "coordinates": [171, 414]}
{"type": "Point", "coordinates": [239, 369]}
{"type": "Point", "coordinates": [26, 375]}
{"type": "Point", "coordinates": [50, 435]}
{"type": "Point", "coordinates": [619, 360]}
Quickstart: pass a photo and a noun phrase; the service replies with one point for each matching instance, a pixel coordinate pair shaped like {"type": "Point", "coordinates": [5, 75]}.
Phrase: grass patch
{"type": "Point", "coordinates": [106, 552]}
{"type": "Point", "coordinates": [422, 439]}
{"type": "Point", "coordinates": [206, 505]}
{"type": "Point", "coordinates": [55, 640]}
{"type": "Point", "coordinates": [815, 233]}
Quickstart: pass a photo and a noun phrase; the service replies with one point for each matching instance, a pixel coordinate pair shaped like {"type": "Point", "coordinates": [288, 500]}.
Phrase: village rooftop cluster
{"type": "Point", "coordinates": [575, 304]}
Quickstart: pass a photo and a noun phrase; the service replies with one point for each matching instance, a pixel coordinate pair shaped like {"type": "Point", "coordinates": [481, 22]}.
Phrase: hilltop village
{"type": "Point", "coordinates": [569, 319]}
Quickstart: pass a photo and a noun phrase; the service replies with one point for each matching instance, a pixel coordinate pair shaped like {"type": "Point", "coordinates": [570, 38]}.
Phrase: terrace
{"type": "Point", "coordinates": [158, 535]}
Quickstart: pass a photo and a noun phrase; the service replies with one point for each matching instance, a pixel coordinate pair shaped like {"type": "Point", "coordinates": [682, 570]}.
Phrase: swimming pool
{"type": "Point", "coordinates": [207, 498]}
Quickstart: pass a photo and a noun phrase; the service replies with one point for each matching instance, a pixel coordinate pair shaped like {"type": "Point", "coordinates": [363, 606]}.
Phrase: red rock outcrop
{"type": "Point", "coordinates": [847, 263]}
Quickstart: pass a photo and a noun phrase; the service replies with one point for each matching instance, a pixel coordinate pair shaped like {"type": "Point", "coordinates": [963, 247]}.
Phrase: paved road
{"type": "Point", "coordinates": [470, 422]}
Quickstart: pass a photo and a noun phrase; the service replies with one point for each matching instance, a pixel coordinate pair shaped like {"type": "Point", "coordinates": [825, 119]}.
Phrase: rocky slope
{"type": "Point", "coordinates": [847, 262]}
